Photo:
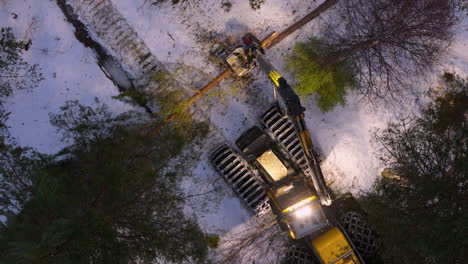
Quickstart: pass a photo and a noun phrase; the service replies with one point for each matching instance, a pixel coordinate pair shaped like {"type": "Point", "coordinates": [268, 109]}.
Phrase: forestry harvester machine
{"type": "Point", "coordinates": [278, 168]}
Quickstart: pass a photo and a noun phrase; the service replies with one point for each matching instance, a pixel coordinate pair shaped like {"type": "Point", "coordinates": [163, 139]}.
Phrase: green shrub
{"type": "Point", "coordinates": [315, 73]}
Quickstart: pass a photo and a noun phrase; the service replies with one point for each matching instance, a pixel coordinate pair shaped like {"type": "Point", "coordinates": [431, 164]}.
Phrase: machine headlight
{"type": "Point", "coordinates": [303, 212]}
{"type": "Point", "coordinates": [299, 204]}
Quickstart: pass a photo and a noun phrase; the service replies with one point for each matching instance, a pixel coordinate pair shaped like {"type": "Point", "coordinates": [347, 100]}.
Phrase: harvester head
{"type": "Point", "coordinates": [243, 59]}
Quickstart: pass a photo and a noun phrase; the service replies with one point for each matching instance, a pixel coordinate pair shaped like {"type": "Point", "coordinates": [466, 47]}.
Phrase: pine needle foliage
{"type": "Point", "coordinates": [171, 100]}
{"type": "Point", "coordinates": [111, 197]}
{"type": "Point", "coordinates": [419, 207]}
{"type": "Point", "coordinates": [316, 76]}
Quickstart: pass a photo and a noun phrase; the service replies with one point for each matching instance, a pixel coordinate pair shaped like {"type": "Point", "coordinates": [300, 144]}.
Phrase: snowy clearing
{"type": "Point", "coordinates": [69, 68]}
{"type": "Point", "coordinates": [342, 135]}
{"type": "Point", "coordinates": [176, 35]}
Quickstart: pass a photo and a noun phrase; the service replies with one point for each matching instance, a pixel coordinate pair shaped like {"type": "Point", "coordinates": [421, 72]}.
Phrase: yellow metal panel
{"type": "Point", "coordinates": [299, 204]}
{"type": "Point", "coordinates": [305, 138]}
{"type": "Point", "coordinates": [273, 165]}
{"type": "Point", "coordinates": [332, 245]}
{"type": "Point", "coordinates": [274, 76]}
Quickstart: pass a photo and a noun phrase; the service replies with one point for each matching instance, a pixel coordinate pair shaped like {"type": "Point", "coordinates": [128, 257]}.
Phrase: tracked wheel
{"type": "Point", "coordinates": [282, 130]}
{"type": "Point", "coordinates": [360, 233]}
{"type": "Point", "coordinates": [298, 254]}
{"type": "Point", "coordinates": [240, 176]}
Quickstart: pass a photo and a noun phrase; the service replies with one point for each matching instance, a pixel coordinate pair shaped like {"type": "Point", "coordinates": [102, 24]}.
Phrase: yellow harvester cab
{"type": "Point", "coordinates": [333, 248]}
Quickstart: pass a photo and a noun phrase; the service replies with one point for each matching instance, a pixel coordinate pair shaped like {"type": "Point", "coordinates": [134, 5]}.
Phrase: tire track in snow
{"type": "Point", "coordinates": [118, 37]}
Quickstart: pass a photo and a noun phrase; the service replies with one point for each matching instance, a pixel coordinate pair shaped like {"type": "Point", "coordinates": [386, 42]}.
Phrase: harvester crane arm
{"type": "Point", "coordinates": [290, 196]}
{"type": "Point", "coordinates": [294, 109]}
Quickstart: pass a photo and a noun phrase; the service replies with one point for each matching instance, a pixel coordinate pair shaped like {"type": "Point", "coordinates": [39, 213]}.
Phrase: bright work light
{"type": "Point", "coordinates": [303, 212]}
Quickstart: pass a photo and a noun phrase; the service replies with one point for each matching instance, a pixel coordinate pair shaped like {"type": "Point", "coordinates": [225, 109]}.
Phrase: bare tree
{"type": "Point", "coordinates": [260, 238]}
{"type": "Point", "coordinates": [15, 73]}
{"type": "Point", "coordinates": [387, 42]}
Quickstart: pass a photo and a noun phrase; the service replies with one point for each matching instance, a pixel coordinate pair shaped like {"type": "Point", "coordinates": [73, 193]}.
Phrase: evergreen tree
{"type": "Point", "coordinates": [315, 76]}
{"type": "Point", "coordinates": [420, 205]}
{"type": "Point", "coordinates": [15, 73]}
{"type": "Point", "coordinates": [112, 197]}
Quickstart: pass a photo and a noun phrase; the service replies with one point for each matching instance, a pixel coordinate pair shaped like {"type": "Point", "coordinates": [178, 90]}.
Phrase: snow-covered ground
{"type": "Point", "coordinates": [177, 35]}
{"type": "Point", "coordinates": [69, 69]}
{"type": "Point", "coordinates": [343, 135]}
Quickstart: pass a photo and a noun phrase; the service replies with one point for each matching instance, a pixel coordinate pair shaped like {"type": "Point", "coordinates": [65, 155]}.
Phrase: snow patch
{"type": "Point", "coordinates": [70, 72]}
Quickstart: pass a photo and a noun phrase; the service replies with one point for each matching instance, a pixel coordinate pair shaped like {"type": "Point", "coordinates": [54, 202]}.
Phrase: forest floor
{"type": "Point", "coordinates": [183, 35]}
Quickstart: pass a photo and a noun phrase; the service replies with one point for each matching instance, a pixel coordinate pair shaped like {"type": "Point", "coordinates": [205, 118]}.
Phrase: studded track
{"type": "Point", "coordinates": [360, 232]}
{"type": "Point", "coordinates": [104, 20]}
{"type": "Point", "coordinates": [299, 254]}
{"type": "Point", "coordinates": [282, 130]}
{"type": "Point", "coordinates": [241, 178]}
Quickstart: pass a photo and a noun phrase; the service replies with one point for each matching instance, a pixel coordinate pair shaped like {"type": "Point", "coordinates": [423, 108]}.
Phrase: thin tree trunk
{"type": "Point", "coordinates": [309, 17]}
